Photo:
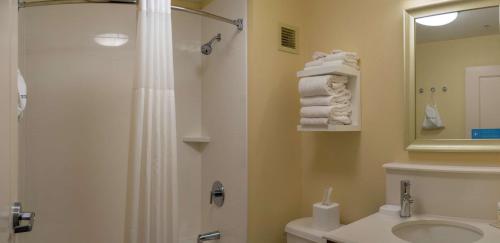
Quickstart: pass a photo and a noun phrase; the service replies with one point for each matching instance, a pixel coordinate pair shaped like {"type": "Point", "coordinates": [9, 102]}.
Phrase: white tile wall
{"type": "Point", "coordinates": [224, 119]}
{"type": "Point", "coordinates": [75, 144]}
{"type": "Point", "coordinates": [76, 124]}
{"type": "Point", "coordinates": [188, 83]}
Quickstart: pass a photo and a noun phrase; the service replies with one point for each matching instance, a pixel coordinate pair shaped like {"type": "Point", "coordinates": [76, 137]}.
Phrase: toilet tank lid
{"type": "Point", "coordinates": [302, 228]}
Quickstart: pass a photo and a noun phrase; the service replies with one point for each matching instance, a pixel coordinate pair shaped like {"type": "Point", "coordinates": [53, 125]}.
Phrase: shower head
{"type": "Point", "coordinates": [206, 49]}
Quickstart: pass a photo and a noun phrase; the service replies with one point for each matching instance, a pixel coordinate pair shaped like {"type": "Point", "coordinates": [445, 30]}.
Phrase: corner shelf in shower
{"type": "Point", "coordinates": [196, 139]}
{"type": "Point", "coordinates": [354, 85]}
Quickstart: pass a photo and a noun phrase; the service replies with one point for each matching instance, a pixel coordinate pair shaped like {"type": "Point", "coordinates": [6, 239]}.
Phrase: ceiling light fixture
{"type": "Point", "coordinates": [438, 20]}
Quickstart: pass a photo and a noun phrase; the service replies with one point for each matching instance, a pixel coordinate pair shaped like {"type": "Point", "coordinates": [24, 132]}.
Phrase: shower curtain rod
{"type": "Point", "coordinates": [236, 22]}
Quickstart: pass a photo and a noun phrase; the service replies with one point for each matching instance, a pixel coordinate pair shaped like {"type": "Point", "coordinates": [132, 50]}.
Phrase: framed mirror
{"type": "Point", "coordinates": [452, 74]}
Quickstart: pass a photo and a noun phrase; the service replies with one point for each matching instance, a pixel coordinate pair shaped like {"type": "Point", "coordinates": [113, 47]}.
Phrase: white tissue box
{"type": "Point", "coordinates": [326, 217]}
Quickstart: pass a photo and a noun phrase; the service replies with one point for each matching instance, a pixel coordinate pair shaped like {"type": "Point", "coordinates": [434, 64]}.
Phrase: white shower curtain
{"type": "Point", "coordinates": [152, 185]}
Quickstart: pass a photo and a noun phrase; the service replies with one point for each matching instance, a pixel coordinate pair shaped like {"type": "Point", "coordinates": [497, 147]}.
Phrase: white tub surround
{"type": "Point", "coordinates": [466, 195]}
{"type": "Point", "coordinates": [378, 228]}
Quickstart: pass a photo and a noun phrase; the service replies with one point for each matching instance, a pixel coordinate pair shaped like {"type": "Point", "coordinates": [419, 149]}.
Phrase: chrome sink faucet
{"type": "Point", "coordinates": [406, 199]}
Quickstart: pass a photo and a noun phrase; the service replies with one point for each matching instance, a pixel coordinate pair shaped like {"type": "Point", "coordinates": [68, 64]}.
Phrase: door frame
{"type": "Point", "coordinates": [472, 75]}
{"type": "Point", "coordinates": [8, 116]}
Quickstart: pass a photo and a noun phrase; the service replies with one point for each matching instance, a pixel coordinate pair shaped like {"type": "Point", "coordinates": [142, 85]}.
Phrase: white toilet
{"type": "Point", "coordinates": [301, 231]}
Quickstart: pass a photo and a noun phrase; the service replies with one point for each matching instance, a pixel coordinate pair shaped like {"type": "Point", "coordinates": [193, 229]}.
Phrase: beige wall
{"type": "Point", "coordinates": [274, 144]}
{"type": "Point", "coordinates": [443, 63]}
{"type": "Point", "coordinates": [288, 170]}
{"type": "Point", "coordinates": [196, 4]}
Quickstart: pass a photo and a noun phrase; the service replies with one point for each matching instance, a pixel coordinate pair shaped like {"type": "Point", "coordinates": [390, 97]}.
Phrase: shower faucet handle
{"type": "Point", "coordinates": [18, 216]}
{"type": "Point", "coordinates": [217, 195]}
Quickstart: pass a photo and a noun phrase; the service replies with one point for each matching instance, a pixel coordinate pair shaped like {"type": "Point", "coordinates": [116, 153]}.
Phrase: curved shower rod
{"type": "Point", "coordinates": [236, 22]}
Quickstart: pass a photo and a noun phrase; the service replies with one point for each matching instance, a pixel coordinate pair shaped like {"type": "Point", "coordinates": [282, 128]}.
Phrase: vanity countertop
{"type": "Point", "coordinates": [377, 228]}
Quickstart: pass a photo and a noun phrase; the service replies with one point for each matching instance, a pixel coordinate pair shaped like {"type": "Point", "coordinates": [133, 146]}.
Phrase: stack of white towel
{"type": "Point", "coordinates": [335, 58]}
{"type": "Point", "coordinates": [325, 100]}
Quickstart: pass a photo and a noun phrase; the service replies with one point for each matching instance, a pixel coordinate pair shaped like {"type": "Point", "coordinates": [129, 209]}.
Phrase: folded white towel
{"type": "Point", "coordinates": [339, 63]}
{"type": "Point", "coordinates": [314, 63]}
{"type": "Point", "coordinates": [340, 120]}
{"type": "Point", "coordinates": [340, 57]}
{"type": "Point", "coordinates": [325, 100]}
{"type": "Point", "coordinates": [319, 54]}
{"type": "Point", "coordinates": [320, 85]}
{"type": "Point", "coordinates": [316, 112]}
{"type": "Point", "coordinates": [339, 54]}
{"type": "Point", "coordinates": [314, 121]}
{"type": "Point", "coordinates": [312, 67]}
{"type": "Point", "coordinates": [317, 101]}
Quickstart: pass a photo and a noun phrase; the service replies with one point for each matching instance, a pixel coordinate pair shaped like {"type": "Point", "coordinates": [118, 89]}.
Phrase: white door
{"type": "Point", "coordinates": [8, 116]}
{"type": "Point", "coordinates": [482, 98]}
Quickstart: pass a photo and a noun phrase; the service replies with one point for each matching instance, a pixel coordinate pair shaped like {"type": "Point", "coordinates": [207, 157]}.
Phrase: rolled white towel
{"type": "Point", "coordinates": [346, 98]}
{"type": "Point", "coordinates": [341, 62]}
{"type": "Point", "coordinates": [319, 54]}
{"type": "Point", "coordinates": [314, 121]}
{"type": "Point", "coordinates": [345, 120]}
{"type": "Point", "coordinates": [315, 63]}
{"type": "Point", "coordinates": [341, 107]}
{"type": "Point", "coordinates": [316, 111]}
{"type": "Point", "coordinates": [341, 93]}
{"type": "Point", "coordinates": [341, 113]}
{"type": "Point", "coordinates": [338, 87]}
{"type": "Point", "coordinates": [340, 79]}
{"type": "Point", "coordinates": [326, 100]}
{"type": "Point", "coordinates": [320, 85]}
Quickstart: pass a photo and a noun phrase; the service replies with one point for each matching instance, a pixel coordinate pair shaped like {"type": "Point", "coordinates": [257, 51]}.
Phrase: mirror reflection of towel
{"type": "Point", "coordinates": [23, 94]}
{"type": "Point", "coordinates": [432, 119]}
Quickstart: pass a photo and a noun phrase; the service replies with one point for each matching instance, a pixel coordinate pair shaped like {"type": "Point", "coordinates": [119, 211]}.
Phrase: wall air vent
{"type": "Point", "coordinates": [288, 39]}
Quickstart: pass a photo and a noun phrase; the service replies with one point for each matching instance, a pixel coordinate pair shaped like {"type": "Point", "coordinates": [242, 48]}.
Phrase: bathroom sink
{"type": "Point", "coordinates": [436, 231]}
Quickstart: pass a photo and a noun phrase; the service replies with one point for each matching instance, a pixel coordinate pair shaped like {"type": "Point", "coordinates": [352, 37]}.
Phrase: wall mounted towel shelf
{"type": "Point", "coordinates": [354, 85]}
{"type": "Point", "coordinates": [330, 128]}
{"type": "Point", "coordinates": [196, 139]}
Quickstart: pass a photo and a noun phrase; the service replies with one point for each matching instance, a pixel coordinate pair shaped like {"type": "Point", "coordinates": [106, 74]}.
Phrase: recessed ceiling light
{"type": "Point", "coordinates": [111, 39]}
{"type": "Point", "coordinates": [438, 20]}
